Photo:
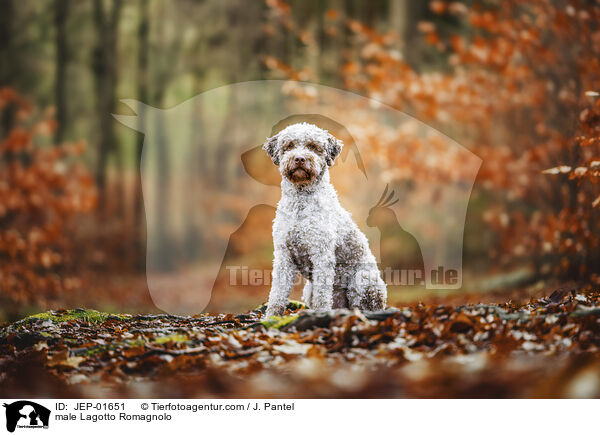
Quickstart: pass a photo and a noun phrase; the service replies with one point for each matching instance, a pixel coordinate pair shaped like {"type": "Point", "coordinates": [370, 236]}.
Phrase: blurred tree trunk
{"type": "Point", "coordinates": [7, 19]}
{"type": "Point", "coordinates": [368, 11]}
{"type": "Point", "coordinates": [348, 43]}
{"type": "Point", "coordinates": [198, 168]}
{"type": "Point", "coordinates": [333, 47]}
{"type": "Point", "coordinates": [105, 74]}
{"type": "Point", "coordinates": [8, 63]}
{"type": "Point", "coordinates": [235, 22]}
{"type": "Point", "coordinates": [244, 38]}
{"type": "Point", "coordinates": [404, 18]}
{"type": "Point", "coordinates": [142, 94]}
{"type": "Point", "coordinates": [164, 69]}
{"type": "Point", "coordinates": [311, 15]}
{"type": "Point", "coordinates": [163, 239]}
{"type": "Point", "coordinates": [61, 12]}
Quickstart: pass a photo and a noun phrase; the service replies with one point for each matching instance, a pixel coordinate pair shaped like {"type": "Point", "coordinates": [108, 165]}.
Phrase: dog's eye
{"type": "Point", "coordinates": [288, 146]}
{"type": "Point", "coordinates": [314, 147]}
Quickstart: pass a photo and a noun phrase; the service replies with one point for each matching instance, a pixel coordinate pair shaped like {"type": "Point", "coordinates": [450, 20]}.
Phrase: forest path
{"type": "Point", "coordinates": [545, 348]}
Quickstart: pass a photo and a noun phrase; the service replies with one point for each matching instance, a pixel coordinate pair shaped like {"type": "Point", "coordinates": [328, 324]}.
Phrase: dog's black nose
{"type": "Point", "coordinates": [299, 160]}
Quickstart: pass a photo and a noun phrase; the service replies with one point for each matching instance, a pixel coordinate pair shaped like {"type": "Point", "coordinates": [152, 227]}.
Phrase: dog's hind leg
{"type": "Point", "coordinates": [339, 297]}
{"type": "Point", "coordinates": [367, 291]}
{"type": "Point", "coordinates": [374, 297]}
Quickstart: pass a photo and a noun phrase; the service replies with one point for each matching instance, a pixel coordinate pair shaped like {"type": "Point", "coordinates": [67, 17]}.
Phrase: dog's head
{"type": "Point", "coordinates": [303, 152]}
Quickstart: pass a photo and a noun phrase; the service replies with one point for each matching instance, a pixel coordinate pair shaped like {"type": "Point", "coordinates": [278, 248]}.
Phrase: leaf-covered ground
{"type": "Point", "coordinates": [545, 348]}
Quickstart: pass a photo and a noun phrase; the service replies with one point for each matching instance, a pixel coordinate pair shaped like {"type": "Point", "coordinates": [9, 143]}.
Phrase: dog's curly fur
{"type": "Point", "coordinates": [313, 234]}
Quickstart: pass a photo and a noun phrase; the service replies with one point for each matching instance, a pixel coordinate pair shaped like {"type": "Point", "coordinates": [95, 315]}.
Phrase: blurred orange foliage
{"type": "Point", "coordinates": [518, 88]}
{"type": "Point", "coordinates": [41, 189]}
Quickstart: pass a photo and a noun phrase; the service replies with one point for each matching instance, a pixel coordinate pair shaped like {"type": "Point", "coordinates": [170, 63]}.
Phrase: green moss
{"type": "Point", "coordinates": [295, 305]}
{"type": "Point", "coordinates": [94, 350]}
{"type": "Point", "coordinates": [292, 306]}
{"type": "Point", "coordinates": [278, 322]}
{"type": "Point", "coordinates": [173, 337]}
{"type": "Point", "coordinates": [91, 316]}
{"type": "Point", "coordinates": [106, 347]}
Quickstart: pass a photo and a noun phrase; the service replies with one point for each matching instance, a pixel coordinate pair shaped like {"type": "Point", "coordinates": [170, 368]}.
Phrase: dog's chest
{"type": "Point", "coordinates": [306, 234]}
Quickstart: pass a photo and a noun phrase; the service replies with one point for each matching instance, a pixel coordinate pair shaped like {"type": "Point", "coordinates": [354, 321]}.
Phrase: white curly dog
{"type": "Point", "coordinates": [313, 234]}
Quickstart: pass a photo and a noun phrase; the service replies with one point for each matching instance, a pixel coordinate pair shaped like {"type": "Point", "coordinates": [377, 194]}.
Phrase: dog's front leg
{"type": "Point", "coordinates": [323, 275]}
{"type": "Point", "coordinates": [284, 273]}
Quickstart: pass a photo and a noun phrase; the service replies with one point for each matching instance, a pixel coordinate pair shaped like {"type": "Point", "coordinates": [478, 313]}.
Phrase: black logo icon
{"type": "Point", "coordinates": [26, 414]}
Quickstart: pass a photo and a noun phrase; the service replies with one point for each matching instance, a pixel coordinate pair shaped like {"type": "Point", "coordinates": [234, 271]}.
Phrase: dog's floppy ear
{"type": "Point", "coordinates": [270, 146]}
{"type": "Point", "coordinates": [334, 148]}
